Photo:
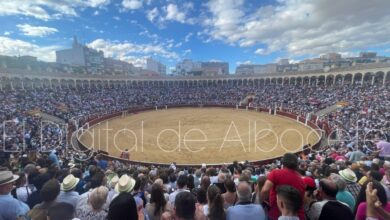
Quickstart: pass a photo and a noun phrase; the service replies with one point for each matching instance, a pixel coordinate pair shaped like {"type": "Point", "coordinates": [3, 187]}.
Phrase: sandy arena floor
{"type": "Point", "coordinates": [199, 135]}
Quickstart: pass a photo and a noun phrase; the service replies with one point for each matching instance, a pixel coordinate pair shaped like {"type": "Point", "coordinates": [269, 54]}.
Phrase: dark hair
{"type": "Point", "coordinates": [261, 181]}
{"type": "Point", "coordinates": [381, 193]}
{"type": "Point", "coordinates": [172, 177]}
{"type": "Point", "coordinates": [181, 181]}
{"type": "Point", "coordinates": [376, 175]}
{"type": "Point", "coordinates": [76, 172]}
{"type": "Point", "coordinates": [190, 182]}
{"type": "Point", "coordinates": [230, 185]}
{"type": "Point", "coordinates": [215, 201]}
{"type": "Point", "coordinates": [164, 177]}
{"type": "Point", "coordinates": [201, 196]}
{"type": "Point", "coordinates": [205, 182]}
{"type": "Point", "coordinates": [185, 205]}
{"type": "Point", "coordinates": [291, 197]}
{"type": "Point", "coordinates": [328, 187]}
{"type": "Point", "coordinates": [290, 160]}
{"type": "Point", "coordinates": [61, 211]}
{"type": "Point", "coordinates": [39, 180]}
{"type": "Point", "coordinates": [97, 179]}
{"type": "Point", "coordinates": [50, 190]}
{"type": "Point", "coordinates": [157, 197]}
{"type": "Point", "coordinates": [92, 169]}
{"type": "Point", "coordinates": [123, 207]}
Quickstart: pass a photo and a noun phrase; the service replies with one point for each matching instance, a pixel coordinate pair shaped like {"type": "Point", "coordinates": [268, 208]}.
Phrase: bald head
{"type": "Point", "coordinates": [244, 192]}
{"type": "Point", "coordinates": [329, 188]}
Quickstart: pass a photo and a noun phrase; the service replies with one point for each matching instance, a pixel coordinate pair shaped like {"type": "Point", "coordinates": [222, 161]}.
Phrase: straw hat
{"type": "Point", "coordinates": [348, 175]}
{"type": "Point", "coordinates": [125, 184]}
{"type": "Point", "coordinates": [7, 177]}
{"type": "Point", "coordinates": [69, 183]}
{"type": "Point", "coordinates": [113, 181]}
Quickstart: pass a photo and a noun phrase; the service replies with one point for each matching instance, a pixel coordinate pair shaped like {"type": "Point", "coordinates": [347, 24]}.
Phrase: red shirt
{"type": "Point", "coordinates": [284, 177]}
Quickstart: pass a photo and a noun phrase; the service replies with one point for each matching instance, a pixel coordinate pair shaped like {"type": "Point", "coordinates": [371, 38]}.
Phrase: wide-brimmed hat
{"type": "Point", "coordinates": [348, 175]}
{"type": "Point", "coordinates": [113, 181]}
{"type": "Point", "coordinates": [7, 177]}
{"type": "Point", "coordinates": [125, 184]}
{"type": "Point", "coordinates": [69, 183]}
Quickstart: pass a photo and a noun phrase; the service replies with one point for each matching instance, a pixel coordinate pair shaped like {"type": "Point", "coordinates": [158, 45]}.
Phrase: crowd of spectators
{"type": "Point", "coordinates": [41, 179]}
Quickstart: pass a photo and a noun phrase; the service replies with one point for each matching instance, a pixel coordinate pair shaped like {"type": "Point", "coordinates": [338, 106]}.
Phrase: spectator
{"type": "Point", "coordinates": [95, 208]}
{"type": "Point", "coordinates": [184, 207]}
{"type": "Point", "coordinates": [258, 187]}
{"type": "Point", "coordinates": [181, 184]}
{"type": "Point", "coordinates": [123, 207]}
{"type": "Point", "coordinates": [286, 176]}
{"type": "Point", "coordinates": [328, 207]}
{"type": "Point", "coordinates": [60, 211]}
{"type": "Point", "coordinates": [214, 209]}
{"type": "Point", "coordinates": [343, 195]}
{"type": "Point", "coordinates": [10, 208]}
{"type": "Point", "coordinates": [309, 199]}
{"type": "Point", "coordinates": [356, 155]}
{"type": "Point", "coordinates": [350, 178]}
{"type": "Point", "coordinates": [76, 172]}
{"type": "Point", "coordinates": [244, 209]}
{"type": "Point", "coordinates": [49, 194]}
{"type": "Point", "coordinates": [68, 193]}
{"type": "Point", "coordinates": [289, 202]}
{"type": "Point", "coordinates": [230, 196]}
{"type": "Point", "coordinates": [22, 190]}
{"type": "Point", "coordinates": [158, 204]}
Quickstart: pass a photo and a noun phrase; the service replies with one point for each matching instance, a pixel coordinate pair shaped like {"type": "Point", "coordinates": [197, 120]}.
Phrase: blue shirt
{"type": "Point", "coordinates": [71, 197]}
{"type": "Point", "coordinates": [102, 164]}
{"type": "Point", "coordinates": [346, 197]}
{"type": "Point", "coordinates": [11, 208]}
{"type": "Point", "coordinates": [247, 212]}
{"type": "Point", "coordinates": [54, 159]}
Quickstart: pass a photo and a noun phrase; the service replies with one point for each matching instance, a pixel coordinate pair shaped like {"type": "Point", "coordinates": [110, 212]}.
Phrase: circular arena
{"type": "Point", "coordinates": [196, 135]}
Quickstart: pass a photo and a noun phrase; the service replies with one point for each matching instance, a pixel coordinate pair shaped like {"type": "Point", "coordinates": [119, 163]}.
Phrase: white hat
{"type": "Point", "coordinates": [7, 177]}
{"type": "Point", "coordinates": [69, 183]}
{"type": "Point", "coordinates": [125, 184]}
{"type": "Point", "coordinates": [348, 175]}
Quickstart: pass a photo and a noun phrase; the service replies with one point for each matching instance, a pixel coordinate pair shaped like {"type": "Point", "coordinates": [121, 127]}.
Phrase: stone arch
{"type": "Point", "coordinates": [321, 80]}
{"type": "Point", "coordinates": [329, 80]}
{"type": "Point", "coordinates": [357, 78]}
{"type": "Point", "coordinates": [348, 78]}
{"type": "Point", "coordinates": [368, 78]}
{"type": "Point", "coordinates": [313, 80]}
{"type": "Point", "coordinates": [293, 81]}
{"type": "Point", "coordinates": [306, 81]}
{"type": "Point", "coordinates": [387, 78]}
{"type": "Point", "coordinates": [339, 79]}
{"type": "Point", "coordinates": [299, 81]}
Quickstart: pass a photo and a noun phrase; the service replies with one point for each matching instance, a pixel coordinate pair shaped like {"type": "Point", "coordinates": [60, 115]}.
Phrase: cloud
{"type": "Point", "coordinates": [188, 36]}
{"type": "Point", "coordinates": [151, 15]}
{"type": "Point", "coordinates": [36, 31]}
{"type": "Point", "coordinates": [245, 62]}
{"type": "Point", "coordinates": [174, 14]}
{"type": "Point", "coordinates": [15, 47]}
{"type": "Point", "coordinates": [7, 33]}
{"type": "Point", "coordinates": [300, 27]}
{"type": "Point", "coordinates": [48, 9]}
{"type": "Point", "coordinates": [132, 4]}
{"type": "Point", "coordinates": [121, 50]}
{"type": "Point", "coordinates": [171, 13]}
{"type": "Point", "coordinates": [260, 51]}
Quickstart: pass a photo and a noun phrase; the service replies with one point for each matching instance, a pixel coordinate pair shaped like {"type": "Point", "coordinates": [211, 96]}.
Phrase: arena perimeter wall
{"type": "Point", "coordinates": [282, 112]}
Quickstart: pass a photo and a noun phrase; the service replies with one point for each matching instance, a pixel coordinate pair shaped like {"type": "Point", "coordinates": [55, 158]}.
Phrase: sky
{"type": "Point", "coordinates": [235, 31]}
